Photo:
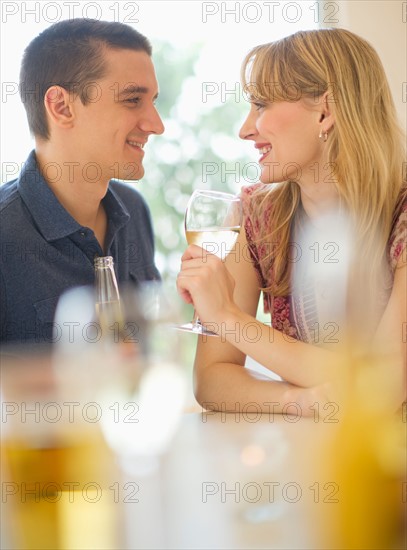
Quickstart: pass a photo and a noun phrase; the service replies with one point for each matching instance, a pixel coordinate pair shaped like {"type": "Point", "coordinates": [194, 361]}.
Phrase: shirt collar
{"type": "Point", "coordinates": [51, 218]}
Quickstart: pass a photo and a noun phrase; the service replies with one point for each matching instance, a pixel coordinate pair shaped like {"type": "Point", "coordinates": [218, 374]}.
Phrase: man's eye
{"type": "Point", "coordinates": [258, 106]}
{"type": "Point", "coordinates": [133, 100]}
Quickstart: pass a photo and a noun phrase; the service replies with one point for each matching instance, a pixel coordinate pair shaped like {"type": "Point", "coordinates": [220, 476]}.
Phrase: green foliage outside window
{"type": "Point", "coordinates": [187, 155]}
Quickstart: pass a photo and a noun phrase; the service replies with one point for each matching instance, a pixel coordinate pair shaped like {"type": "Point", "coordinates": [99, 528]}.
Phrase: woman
{"type": "Point", "coordinates": [324, 122]}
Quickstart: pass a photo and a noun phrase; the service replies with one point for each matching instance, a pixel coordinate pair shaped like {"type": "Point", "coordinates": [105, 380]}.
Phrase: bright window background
{"type": "Point", "coordinates": [225, 31]}
{"type": "Point", "coordinates": [198, 48]}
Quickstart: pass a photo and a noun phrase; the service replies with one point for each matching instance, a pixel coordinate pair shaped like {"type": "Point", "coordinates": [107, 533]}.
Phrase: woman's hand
{"type": "Point", "coordinates": [205, 282]}
{"type": "Point", "coordinates": [323, 401]}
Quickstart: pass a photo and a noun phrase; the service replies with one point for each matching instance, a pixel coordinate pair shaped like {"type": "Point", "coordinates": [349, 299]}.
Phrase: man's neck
{"type": "Point", "coordinates": [81, 198]}
{"type": "Point", "coordinates": [65, 176]}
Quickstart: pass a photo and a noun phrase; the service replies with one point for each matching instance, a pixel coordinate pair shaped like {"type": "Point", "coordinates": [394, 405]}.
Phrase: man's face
{"type": "Point", "coordinates": [111, 130]}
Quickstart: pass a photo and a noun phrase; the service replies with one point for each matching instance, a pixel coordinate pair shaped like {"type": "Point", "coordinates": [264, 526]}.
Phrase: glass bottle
{"type": "Point", "coordinates": [107, 298]}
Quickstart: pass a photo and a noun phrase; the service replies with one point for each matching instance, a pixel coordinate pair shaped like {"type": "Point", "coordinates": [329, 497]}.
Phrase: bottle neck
{"type": "Point", "coordinates": [103, 262]}
{"type": "Point", "coordinates": [105, 280]}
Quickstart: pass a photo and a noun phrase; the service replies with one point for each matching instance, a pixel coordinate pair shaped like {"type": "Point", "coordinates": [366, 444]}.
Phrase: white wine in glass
{"type": "Point", "coordinates": [217, 241]}
{"type": "Point", "coordinates": [212, 221]}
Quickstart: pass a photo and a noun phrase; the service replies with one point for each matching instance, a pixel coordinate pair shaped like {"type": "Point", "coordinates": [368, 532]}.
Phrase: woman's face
{"type": "Point", "coordinates": [286, 134]}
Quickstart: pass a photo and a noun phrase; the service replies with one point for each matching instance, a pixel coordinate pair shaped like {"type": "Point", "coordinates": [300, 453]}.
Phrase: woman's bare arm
{"type": "Point", "coordinates": [227, 301]}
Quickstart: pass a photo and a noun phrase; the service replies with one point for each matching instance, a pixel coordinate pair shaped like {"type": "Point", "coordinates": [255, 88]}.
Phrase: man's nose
{"type": "Point", "coordinates": [151, 122]}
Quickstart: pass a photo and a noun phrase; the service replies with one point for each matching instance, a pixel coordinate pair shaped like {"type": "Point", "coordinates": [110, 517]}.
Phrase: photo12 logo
{"type": "Point", "coordinates": [53, 12]}
{"type": "Point", "coordinates": [269, 491]}
{"type": "Point", "coordinates": [68, 411]}
{"type": "Point", "coordinates": [69, 491]}
{"type": "Point", "coordinates": [256, 412]}
{"type": "Point", "coordinates": [269, 12]}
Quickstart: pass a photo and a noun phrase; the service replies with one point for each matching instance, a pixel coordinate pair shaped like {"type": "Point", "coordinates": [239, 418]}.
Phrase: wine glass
{"type": "Point", "coordinates": [212, 221]}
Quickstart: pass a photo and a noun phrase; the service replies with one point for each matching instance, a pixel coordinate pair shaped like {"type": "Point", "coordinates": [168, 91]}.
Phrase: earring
{"type": "Point", "coordinates": [324, 134]}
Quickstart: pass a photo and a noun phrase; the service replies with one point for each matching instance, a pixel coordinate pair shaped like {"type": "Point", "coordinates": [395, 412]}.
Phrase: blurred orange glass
{"type": "Point", "coordinates": [56, 469]}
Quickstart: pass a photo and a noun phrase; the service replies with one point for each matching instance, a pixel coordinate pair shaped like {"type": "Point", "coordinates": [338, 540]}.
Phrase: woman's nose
{"type": "Point", "coordinates": [248, 129]}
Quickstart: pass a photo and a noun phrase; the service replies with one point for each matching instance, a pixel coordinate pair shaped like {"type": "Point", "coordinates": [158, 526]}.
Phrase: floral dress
{"type": "Point", "coordinates": [301, 314]}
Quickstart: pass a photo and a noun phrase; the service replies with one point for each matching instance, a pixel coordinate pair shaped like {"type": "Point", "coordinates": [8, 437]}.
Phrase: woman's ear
{"type": "Point", "coordinates": [327, 118]}
{"type": "Point", "coordinates": [59, 107]}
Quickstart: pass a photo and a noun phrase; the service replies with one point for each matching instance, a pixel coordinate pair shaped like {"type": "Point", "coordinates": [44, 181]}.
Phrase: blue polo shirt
{"type": "Point", "coordinates": [44, 251]}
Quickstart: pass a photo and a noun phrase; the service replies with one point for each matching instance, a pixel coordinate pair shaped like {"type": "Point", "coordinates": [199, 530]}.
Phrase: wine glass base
{"type": "Point", "coordinates": [196, 329]}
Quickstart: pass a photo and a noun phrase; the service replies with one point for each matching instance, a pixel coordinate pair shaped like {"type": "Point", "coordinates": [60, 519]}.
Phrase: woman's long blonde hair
{"type": "Point", "coordinates": [365, 146]}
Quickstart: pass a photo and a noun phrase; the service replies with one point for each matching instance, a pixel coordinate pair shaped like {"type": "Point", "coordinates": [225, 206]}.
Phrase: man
{"type": "Point", "coordinates": [89, 90]}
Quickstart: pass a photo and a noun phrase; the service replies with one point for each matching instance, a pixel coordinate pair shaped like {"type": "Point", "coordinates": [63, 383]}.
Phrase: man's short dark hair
{"type": "Point", "coordinates": [70, 54]}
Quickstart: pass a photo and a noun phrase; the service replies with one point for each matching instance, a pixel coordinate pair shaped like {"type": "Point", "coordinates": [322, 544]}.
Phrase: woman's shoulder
{"type": "Point", "coordinates": [253, 190]}
{"type": "Point", "coordinates": [253, 196]}
{"type": "Point", "coordinates": [398, 236]}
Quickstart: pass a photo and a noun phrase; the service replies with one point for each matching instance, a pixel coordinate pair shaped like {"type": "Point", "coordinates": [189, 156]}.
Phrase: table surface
{"type": "Point", "coordinates": [224, 481]}
{"type": "Point", "coordinates": [232, 481]}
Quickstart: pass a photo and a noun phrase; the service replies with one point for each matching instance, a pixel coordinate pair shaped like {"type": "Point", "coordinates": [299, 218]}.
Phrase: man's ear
{"type": "Point", "coordinates": [327, 118]}
{"type": "Point", "coordinates": [59, 106]}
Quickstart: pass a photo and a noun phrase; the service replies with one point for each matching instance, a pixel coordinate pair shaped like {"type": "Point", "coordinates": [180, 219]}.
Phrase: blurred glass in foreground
{"type": "Point", "coordinates": [367, 458]}
{"type": "Point", "coordinates": [104, 404]}
{"type": "Point", "coordinates": [363, 453]}
{"type": "Point", "coordinates": [56, 469]}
